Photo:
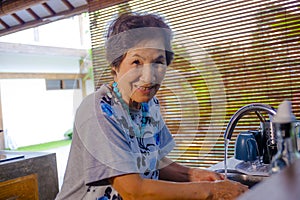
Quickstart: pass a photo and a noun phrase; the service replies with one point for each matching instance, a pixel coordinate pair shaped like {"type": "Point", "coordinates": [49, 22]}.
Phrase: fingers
{"type": "Point", "coordinates": [244, 188]}
{"type": "Point", "coordinates": [216, 176]}
{"type": "Point", "coordinates": [221, 176]}
{"type": "Point", "coordinates": [240, 188]}
{"type": "Point", "coordinates": [205, 175]}
{"type": "Point", "coordinates": [228, 189]}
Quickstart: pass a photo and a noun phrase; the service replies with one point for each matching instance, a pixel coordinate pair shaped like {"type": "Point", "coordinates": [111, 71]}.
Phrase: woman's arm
{"type": "Point", "coordinates": [133, 187]}
{"type": "Point", "coordinates": [172, 171]}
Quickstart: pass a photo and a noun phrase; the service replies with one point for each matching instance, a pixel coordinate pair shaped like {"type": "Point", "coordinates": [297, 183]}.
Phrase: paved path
{"type": "Point", "coordinates": [62, 154]}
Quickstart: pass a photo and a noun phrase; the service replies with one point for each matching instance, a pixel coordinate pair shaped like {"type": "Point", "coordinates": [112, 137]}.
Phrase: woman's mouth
{"type": "Point", "coordinates": [146, 89]}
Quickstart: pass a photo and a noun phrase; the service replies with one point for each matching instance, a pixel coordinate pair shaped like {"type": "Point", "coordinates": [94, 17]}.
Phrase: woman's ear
{"type": "Point", "coordinates": [114, 70]}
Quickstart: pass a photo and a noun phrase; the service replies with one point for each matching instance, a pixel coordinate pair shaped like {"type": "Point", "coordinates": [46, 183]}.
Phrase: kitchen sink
{"type": "Point", "coordinates": [245, 179]}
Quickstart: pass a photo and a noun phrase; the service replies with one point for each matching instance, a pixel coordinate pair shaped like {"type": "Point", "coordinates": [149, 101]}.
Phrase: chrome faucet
{"type": "Point", "coordinates": [254, 107]}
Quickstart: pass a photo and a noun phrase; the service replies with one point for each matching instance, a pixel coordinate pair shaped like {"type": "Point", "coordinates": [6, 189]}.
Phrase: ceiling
{"type": "Point", "coordinates": [17, 15]}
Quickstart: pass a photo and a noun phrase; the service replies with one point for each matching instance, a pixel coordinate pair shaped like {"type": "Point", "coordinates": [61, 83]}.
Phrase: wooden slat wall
{"type": "Point", "coordinates": [95, 5]}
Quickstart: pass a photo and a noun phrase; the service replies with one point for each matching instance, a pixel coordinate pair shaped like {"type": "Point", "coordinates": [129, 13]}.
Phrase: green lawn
{"type": "Point", "coordinates": [45, 146]}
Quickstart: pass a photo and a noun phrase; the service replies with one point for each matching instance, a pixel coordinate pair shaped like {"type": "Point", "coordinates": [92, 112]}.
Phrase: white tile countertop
{"type": "Point", "coordinates": [284, 185]}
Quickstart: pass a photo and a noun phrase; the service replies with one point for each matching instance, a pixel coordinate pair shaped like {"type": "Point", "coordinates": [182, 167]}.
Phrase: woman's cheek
{"type": "Point", "coordinates": [160, 74]}
{"type": "Point", "coordinates": [129, 77]}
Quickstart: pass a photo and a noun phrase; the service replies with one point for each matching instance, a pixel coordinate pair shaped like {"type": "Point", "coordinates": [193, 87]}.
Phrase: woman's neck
{"type": "Point", "coordinates": [134, 105]}
{"type": "Point", "coordinates": [131, 104]}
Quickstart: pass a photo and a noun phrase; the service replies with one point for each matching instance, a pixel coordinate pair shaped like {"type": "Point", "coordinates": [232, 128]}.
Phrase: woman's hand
{"type": "Point", "coordinates": [227, 190]}
{"type": "Point", "coordinates": [173, 171]}
{"type": "Point", "coordinates": [132, 186]}
{"type": "Point", "coordinates": [197, 175]}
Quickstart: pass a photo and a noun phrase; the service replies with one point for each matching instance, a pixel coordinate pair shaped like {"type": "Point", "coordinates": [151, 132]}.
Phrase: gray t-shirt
{"type": "Point", "coordinates": [108, 142]}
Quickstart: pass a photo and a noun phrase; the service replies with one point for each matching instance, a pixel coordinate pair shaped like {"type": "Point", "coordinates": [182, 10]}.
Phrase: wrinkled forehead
{"type": "Point", "coordinates": [155, 43]}
{"type": "Point", "coordinates": [147, 37]}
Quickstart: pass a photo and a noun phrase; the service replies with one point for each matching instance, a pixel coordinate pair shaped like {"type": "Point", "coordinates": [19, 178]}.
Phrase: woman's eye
{"type": "Point", "coordinates": [136, 62]}
{"type": "Point", "coordinates": [159, 63]}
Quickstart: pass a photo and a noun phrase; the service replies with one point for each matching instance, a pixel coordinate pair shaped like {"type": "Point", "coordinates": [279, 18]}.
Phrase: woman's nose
{"type": "Point", "coordinates": [148, 74]}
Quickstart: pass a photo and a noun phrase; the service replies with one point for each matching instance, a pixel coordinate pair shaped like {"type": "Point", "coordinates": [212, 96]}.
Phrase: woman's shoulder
{"type": "Point", "coordinates": [92, 101]}
{"type": "Point", "coordinates": [154, 102]}
{"type": "Point", "coordinates": [96, 95]}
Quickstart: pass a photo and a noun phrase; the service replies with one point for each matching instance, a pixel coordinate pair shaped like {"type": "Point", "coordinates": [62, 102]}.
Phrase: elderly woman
{"type": "Point", "coordinates": [120, 140]}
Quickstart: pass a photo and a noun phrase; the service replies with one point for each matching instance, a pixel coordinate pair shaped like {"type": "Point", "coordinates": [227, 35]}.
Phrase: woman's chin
{"type": "Point", "coordinates": [142, 97]}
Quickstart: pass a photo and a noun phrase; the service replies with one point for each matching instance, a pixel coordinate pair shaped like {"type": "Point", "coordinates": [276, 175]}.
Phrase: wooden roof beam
{"type": "Point", "coordinates": [67, 3]}
{"type": "Point", "coordinates": [4, 24]}
{"type": "Point", "coordinates": [46, 20]}
{"type": "Point", "coordinates": [10, 7]}
{"type": "Point", "coordinates": [48, 8]}
{"type": "Point", "coordinates": [16, 17]}
{"type": "Point", "coordinates": [33, 14]}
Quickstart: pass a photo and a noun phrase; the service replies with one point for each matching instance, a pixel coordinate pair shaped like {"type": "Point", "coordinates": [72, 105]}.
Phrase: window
{"type": "Point", "coordinates": [227, 54]}
{"type": "Point", "coordinates": [62, 84]}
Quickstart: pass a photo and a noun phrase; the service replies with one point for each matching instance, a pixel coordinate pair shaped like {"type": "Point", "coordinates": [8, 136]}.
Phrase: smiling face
{"type": "Point", "coordinates": [141, 71]}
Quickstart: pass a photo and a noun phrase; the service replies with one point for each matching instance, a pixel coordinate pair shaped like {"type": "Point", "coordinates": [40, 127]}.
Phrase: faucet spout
{"type": "Point", "coordinates": [254, 107]}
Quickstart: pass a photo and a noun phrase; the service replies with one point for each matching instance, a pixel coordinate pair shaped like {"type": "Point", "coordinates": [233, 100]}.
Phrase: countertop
{"type": "Point", "coordinates": [281, 186]}
{"type": "Point", "coordinates": [40, 163]}
{"type": "Point", "coordinates": [17, 156]}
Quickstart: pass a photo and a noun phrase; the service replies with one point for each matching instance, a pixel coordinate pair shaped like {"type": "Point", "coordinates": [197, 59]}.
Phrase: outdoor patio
{"type": "Point", "coordinates": [62, 154]}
